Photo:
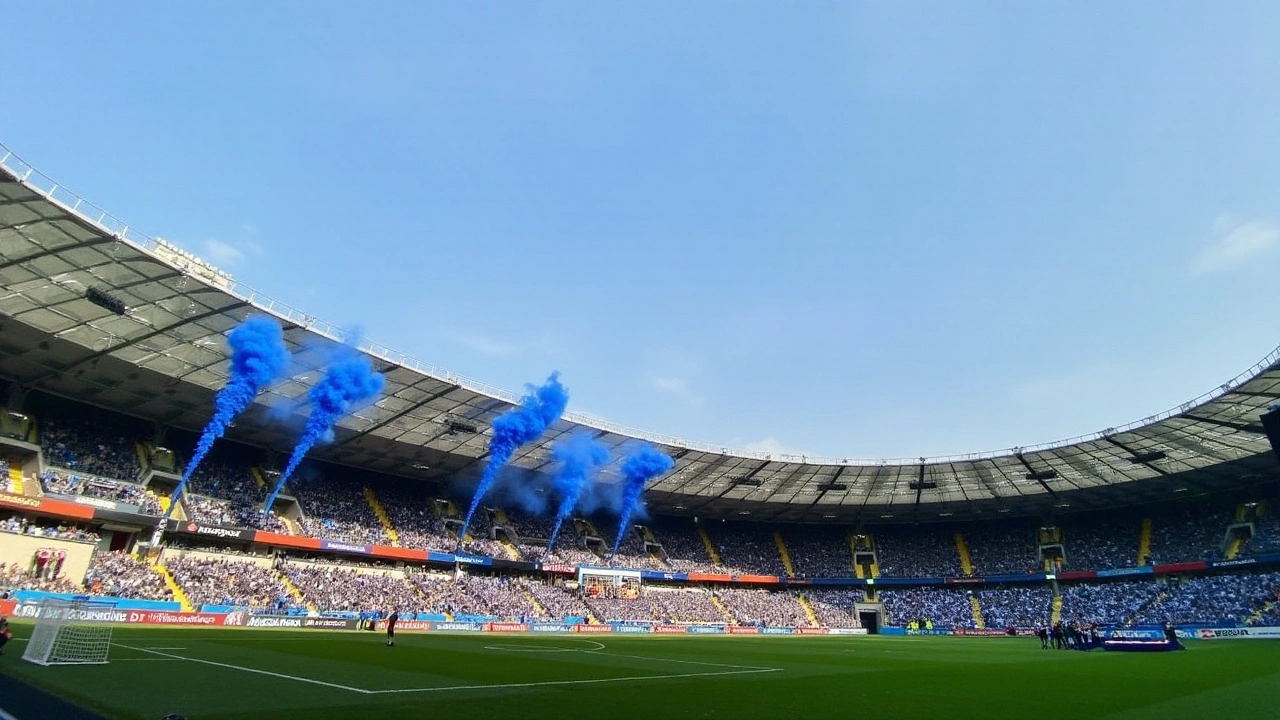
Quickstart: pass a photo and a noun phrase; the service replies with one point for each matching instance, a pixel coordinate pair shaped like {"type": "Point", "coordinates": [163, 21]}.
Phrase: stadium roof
{"type": "Point", "coordinates": [165, 357]}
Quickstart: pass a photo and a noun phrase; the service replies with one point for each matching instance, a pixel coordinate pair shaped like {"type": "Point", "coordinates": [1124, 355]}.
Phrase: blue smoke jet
{"type": "Point", "coordinates": [579, 458]}
{"type": "Point", "coordinates": [258, 358]}
{"type": "Point", "coordinates": [639, 467]}
{"type": "Point", "coordinates": [347, 383]}
{"type": "Point", "coordinates": [541, 407]}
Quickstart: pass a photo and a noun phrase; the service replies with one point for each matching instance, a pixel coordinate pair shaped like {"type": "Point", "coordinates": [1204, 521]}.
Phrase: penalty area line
{"type": "Point", "coordinates": [548, 683]}
{"type": "Point", "coordinates": [255, 671]}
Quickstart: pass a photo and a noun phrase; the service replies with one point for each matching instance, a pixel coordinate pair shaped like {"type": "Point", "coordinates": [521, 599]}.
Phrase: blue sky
{"type": "Point", "coordinates": [846, 229]}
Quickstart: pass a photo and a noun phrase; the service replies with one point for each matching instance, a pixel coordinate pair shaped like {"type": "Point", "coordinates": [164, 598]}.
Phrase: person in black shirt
{"type": "Point", "coordinates": [5, 633]}
{"type": "Point", "coordinates": [391, 628]}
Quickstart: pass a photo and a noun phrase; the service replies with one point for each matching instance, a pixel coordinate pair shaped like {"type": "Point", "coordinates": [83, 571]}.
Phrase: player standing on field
{"type": "Point", "coordinates": [391, 628]}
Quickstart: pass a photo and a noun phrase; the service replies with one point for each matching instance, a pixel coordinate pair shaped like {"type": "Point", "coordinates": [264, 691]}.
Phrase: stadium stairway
{"type": "Point", "coordinates": [724, 609]}
{"type": "Point", "coordinates": [1055, 617]}
{"type": "Point", "coordinates": [259, 480]}
{"type": "Point", "coordinates": [975, 608]}
{"type": "Point", "coordinates": [710, 546]}
{"type": "Point", "coordinates": [1155, 602]}
{"type": "Point", "coordinates": [785, 554]}
{"type": "Point", "coordinates": [537, 606]}
{"type": "Point", "coordinates": [509, 549]}
{"type": "Point", "coordinates": [15, 481]}
{"type": "Point", "coordinates": [296, 593]}
{"type": "Point", "coordinates": [381, 512]}
{"type": "Point", "coordinates": [859, 570]}
{"type": "Point", "coordinates": [1256, 616]}
{"type": "Point", "coordinates": [179, 513]}
{"type": "Point", "coordinates": [966, 560]}
{"type": "Point", "coordinates": [1144, 541]}
{"type": "Point", "coordinates": [291, 524]}
{"type": "Point", "coordinates": [808, 611]}
{"type": "Point", "coordinates": [144, 459]}
{"type": "Point", "coordinates": [179, 595]}
{"type": "Point", "coordinates": [1233, 547]}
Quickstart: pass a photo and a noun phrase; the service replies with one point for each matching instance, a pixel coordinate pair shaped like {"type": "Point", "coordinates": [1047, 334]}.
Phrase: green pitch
{"type": "Point", "coordinates": [317, 675]}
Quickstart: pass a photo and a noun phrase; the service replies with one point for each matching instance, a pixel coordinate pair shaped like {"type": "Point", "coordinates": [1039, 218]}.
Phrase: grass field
{"type": "Point", "coordinates": [316, 675]}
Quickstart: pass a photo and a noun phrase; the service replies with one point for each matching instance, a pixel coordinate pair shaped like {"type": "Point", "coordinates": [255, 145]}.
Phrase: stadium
{"type": "Point", "coordinates": [757, 584]}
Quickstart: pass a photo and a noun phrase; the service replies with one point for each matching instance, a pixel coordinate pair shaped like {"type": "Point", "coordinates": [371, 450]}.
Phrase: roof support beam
{"type": "Point", "coordinates": [396, 416]}
{"type": "Point", "coordinates": [54, 251]}
{"type": "Point", "coordinates": [145, 336]}
{"type": "Point", "coordinates": [1242, 427]}
{"type": "Point", "coordinates": [1033, 471]}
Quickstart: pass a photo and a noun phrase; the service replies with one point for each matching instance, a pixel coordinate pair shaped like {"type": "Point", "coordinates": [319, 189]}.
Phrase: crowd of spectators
{"type": "Point", "coordinates": [59, 482]}
{"type": "Point", "coordinates": [559, 601]}
{"type": "Point", "coordinates": [22, 525]}
{"type": "Point", "coordinates": [233, 513]}
{"type": "Point", "coordinates": [226, 479]}
{"type": "Point", "coordinates": [336, 511]}
{"type": "Point", "coordinates": [416, 522]}
{"type": "Point", "coordinates": [686, 606]}
{"type": "Point", "coordinates": [819, 552]}
{"type": "Point", "coordinates": [1266, 532]}
{"type": "Point", "coordinates": [924, 552]}
{"type": "Point", "coordinates": [835, 607]}
{"type": "Point", "coordinates": [1101, 544]}
{"type": "Point", "coordinates": [441, 594]}
{"type": "Point", "coordinates": [14, 577]}
{"type": "Point", "coordinates": [209, 581]}
{"type": "Point", "coordinates": [122, 575]}
{"type": "Point", "coordinates": [1112, 603]}
{"type": "Point", "coordinates": [756, 608]}
{"type": "Point", "coordinates": [1002, 550]}
{"type": "Point", "coordinates": [1018, 606]}
{"type": "Point", "coordinates": [338, 589]}
{"type": "Point", "coordinates": [747, 550]}
{"type": "Point", "coordinates": [943, 606]}
{"type": "Point", "coordinates": [82, 445]}
{"type": "Point", "coordinates": [1192, 534]}
{"type": "Point", "coordinates": [1212, 598]}
{"type": "Point", "coordinates": [502, 597]}
{"type": "Point", "coordinates": [685, 550]}
{"type": "Point", "coordinates": [615, 609]}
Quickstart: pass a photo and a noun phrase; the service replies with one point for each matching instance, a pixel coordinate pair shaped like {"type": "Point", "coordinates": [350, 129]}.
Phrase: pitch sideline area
{"type": "Point", "coordinates": [255, 675]}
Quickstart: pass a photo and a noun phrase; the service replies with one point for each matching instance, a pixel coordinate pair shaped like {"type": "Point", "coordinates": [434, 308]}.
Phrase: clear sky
{"type": "Point", "coordinates": [846, 229]}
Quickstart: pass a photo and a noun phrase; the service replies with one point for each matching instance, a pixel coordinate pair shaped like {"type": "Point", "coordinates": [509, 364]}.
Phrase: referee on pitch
{"type": "Point", "coordinates": [391, 628]}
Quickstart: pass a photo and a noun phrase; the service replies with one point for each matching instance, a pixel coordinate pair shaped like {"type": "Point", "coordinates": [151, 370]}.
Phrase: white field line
{"type": "Point", "coordinates": [255, 671]}
{"type": "Point", "coordinates": [740, 670]}
{"type": "Point", "coordinates": [499, 686]}
{"type": "Point", "coordinates": [6, 716]}
{"type": "Point", "coordinates": [686, 662]}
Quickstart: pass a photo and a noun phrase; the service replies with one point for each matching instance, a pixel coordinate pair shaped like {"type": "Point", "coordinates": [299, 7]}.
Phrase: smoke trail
{"type": "Point", "coordinates": [347, 383]}
{"type": "Point", "coordinates": [541, 407]}
{"type": "Point", "coordinates": [640, 466]}
{"type": "Point", "coordinates": [579, 457]}
{"type": "Point", "coordinates": [258, 358]}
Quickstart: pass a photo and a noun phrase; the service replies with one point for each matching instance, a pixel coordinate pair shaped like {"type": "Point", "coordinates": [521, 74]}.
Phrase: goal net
{"type": "Point", "coordinates": [70, 632]}
{"type": "Point", "coordinates": [607, 583]}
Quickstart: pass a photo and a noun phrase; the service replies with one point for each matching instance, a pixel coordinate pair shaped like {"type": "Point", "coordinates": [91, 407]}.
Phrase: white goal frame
{"type": "Point", "coordinates": [71, 632]}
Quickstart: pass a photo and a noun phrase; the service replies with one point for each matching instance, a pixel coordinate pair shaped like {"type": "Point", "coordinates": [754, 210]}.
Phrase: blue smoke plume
{"type": "Point", "coordinates": [541, 407]}
{"type": "Point", "coordinates": [347, 383]}
{"type": "Point", "coordinates": [639, 467]}
{"type": "Point", "coordinates": [579, 457]}
{"type": "Point", "coordinates": [258, 358]}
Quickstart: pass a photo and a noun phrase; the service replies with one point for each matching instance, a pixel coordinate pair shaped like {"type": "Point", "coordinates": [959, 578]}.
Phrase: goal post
{"type": "Point", "coordinates": [73, 631]}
